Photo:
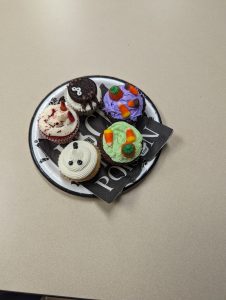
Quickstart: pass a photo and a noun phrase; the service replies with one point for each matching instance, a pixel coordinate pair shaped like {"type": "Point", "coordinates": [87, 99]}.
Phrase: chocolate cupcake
{"type": "Point", "coordinates": [83, 95]}
{"type": "Point", "coordinates": [120, 144]}
{"type": "Point", "coordinates": [124, 103]}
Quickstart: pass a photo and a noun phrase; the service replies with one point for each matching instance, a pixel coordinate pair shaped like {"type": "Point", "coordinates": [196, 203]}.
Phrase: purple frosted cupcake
{"type": "Point", "coordinates": [124, 103]}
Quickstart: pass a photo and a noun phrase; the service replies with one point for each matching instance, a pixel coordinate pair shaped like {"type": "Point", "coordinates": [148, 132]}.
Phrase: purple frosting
{"type": "Point", "coordinates": [111, 106]}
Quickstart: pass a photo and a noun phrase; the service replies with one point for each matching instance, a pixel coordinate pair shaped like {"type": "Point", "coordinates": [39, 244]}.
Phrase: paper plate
{"type": "Point", "coordinates": [46, 165]}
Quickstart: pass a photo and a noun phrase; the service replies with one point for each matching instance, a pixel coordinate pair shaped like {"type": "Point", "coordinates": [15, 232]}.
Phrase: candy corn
{"type": "Point", "coordinates": [63, 106]}
{"type": "Point", "coordinates": [124, 111]}
{"type": "Point", "coordinates": [133, 103]}
{"type": "Point", "coordinates": [133, 90]}
{"type": "Point", "coordinates": [108, 135]}
{"type": "Point", "coordinates": [130, 136]}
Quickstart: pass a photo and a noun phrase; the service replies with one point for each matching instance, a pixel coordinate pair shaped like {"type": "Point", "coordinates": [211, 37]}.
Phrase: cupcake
{"type": "Point", "coordinates": [124, 103]}
{"type": "Point", "coordinates": [79, 161]}
{"type": "Point", "coordinates": [121, 143]}
{"type": "Point", "coordinates": [83, 95]}
{"type": "Point", "coordinates": [58, 123]}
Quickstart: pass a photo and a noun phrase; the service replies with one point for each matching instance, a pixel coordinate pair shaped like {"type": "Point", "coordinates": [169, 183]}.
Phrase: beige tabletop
{"type": "Point", "coordinates": [166, 238]}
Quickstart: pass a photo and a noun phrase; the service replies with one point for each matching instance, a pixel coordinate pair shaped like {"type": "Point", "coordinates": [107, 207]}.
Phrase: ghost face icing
{"type": "Point", "coordinates": [78, 160]}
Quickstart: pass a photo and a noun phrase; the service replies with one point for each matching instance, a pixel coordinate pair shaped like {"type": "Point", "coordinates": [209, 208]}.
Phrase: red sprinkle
{"type": "Point", "coordinates": [53, 112]}
{"type": "Point", "coordinates": [70, 117]}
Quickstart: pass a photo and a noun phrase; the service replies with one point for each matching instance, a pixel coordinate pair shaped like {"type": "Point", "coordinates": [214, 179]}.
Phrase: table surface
{"type": "Point", "coordinates": [166, 238]}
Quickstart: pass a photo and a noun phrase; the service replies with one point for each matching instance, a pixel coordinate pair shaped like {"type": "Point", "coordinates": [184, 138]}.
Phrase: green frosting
{"type": "Point", "coordinates": [119, 138]}
{"type": "Point", "coordinates": [114, 89]}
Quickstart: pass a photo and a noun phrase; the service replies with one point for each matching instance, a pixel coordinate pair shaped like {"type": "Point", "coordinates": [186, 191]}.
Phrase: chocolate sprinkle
{"type": "Point", "coordinates": [75, 145]}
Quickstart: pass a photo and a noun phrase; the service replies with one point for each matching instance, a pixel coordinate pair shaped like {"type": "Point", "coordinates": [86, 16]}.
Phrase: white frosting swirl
{"type": "Point", "coordinates": [77, 106]}
{"type": "Point", "coordinates": [55, 122]}
{"type": "Point", "coordinates": [78, 163]}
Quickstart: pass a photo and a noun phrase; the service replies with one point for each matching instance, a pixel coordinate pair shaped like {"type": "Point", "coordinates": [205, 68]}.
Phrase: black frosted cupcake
{"type": "Point", "coordinates": [83, 95]}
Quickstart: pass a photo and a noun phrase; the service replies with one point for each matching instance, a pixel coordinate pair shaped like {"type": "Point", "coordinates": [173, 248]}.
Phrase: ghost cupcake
{"type": "Point", "coordinates": [124, 103]}
{"type": "Point", "coordinates": [120, 144]}
{"type": "Point", "coordinates": [83, 95]}
{"type": "Point", "coordinates": [58, 123]}
{"type": "Point", "coordinates": [79, 161]}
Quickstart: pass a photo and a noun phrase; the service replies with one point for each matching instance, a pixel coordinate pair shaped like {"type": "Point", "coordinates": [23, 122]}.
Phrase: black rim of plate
{"type": "Point", "coordinates": [49, 178]}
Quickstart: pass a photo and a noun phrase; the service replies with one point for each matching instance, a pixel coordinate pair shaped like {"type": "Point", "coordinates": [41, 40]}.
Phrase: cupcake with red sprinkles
{"type": "Point", "coordinates": [59, 123]}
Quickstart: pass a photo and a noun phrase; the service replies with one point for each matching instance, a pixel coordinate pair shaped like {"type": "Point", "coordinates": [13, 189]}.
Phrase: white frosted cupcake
{"type": "Point", "coordinates": [83, 95]}
{"type": "Point", "coordinates": [58, 123]}
{"type": "Point", "coordinates": [79, 161]}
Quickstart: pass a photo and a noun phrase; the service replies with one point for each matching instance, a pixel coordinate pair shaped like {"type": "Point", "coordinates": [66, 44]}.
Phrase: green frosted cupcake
{"type": "Point", "coordinates": [121, 143]}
